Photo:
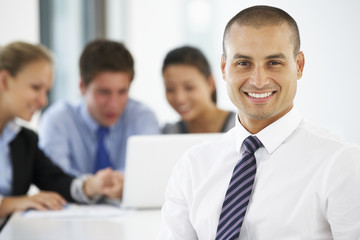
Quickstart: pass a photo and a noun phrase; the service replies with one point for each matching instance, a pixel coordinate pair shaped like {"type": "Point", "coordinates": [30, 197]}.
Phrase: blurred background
{"type": "Point", "coordinates": [330, 33]}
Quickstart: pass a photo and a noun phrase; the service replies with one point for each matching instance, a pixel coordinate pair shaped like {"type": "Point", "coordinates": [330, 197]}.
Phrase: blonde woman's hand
{"type": "Point", "coordinates": [42, 201]}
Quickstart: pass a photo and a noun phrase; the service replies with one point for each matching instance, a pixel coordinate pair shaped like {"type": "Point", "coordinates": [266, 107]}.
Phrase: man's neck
{"type": "Point", "coordinates": [254, 126]}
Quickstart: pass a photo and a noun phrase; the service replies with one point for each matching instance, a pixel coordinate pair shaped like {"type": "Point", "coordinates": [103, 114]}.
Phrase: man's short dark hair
{"type": "Point", "coordinates": [104, 55]}
{"type": "Point", "coordinates": [260, 16]}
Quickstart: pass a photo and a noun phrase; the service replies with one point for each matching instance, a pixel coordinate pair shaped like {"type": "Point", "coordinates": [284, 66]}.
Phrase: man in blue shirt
{"type": "Point", "coordinates": [68, 132]}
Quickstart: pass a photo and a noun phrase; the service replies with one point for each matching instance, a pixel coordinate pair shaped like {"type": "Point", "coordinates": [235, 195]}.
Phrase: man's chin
{"type": "Point", "coordinates": [109, 122]}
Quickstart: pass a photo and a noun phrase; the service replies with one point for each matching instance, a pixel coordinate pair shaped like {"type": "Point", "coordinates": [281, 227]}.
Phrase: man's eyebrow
{"type": "Point", "coordinates": [280, 55]}
{"type": "Point", "coordinates": [273, 56]}
{"type": "Point", "coordinates": [240, 56]}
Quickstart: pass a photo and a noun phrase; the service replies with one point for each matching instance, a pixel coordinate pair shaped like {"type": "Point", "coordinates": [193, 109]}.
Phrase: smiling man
{"type": "Point", "coordinates": [70, 133]}
{"type": "Point", "coordinates": [261, 66]}
{"type": "Point", "coordinates": [274, 175]}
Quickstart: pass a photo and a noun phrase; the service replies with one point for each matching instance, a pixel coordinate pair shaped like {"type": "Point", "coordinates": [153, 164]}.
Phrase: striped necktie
{"type": "Point", "coordinates": [239, 191]}
{"type": "Point", "coordinates": [102, 156]}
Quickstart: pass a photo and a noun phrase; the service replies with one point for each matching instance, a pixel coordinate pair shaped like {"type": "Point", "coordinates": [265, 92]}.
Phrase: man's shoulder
{"type": "Point", "coordinates": [136, 113]}
{"type": "Point", "coordinates": [134, 106]}
{"type": "Point", "coordinates": [220, 144]}
{"type": "Point", "coordinates": [60, 110]}
{"type": "Point", "coordinates": [325, 139]}
{"type": "Point", "coordinates": [321, 134]}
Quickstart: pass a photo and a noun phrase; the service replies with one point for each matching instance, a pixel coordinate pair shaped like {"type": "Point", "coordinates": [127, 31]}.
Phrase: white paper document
{"type": "Point", "coordinates": [78, 211]}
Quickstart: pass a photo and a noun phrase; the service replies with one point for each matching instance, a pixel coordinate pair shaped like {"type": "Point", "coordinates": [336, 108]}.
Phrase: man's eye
{"type": "Point", "coordinates": [243, 63]}
{"type": "Point", "coordinates": [122, 91]}
{"type": "Point", "coordinates": [36, 87]}
{"type": "Point", "coordinates": [274, 63]}
{"type": "Point", "coordinates": [104, 92]}
{"type": "Point", "coordinates": [189, 88]}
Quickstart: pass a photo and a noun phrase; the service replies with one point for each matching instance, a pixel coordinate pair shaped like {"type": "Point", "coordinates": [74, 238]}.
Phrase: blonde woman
{"type": "Point", "coordinates": [26, 72]}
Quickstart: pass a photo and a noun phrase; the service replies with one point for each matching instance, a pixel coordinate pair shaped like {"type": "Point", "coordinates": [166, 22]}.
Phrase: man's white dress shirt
{"type": "Point", "coordinates": [307, 185]}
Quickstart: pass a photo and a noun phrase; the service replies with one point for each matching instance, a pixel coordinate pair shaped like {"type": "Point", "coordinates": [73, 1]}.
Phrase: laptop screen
{"type": "Point", "coordinates": [149, 163]}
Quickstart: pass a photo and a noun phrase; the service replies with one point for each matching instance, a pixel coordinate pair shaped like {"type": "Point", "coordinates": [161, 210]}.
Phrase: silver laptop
{"type": "Point", "coordinates": [149, 164]}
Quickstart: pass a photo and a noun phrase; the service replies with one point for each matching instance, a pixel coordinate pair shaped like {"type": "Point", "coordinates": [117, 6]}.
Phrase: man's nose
{"type": "Point", "coordinates": [259, 77]}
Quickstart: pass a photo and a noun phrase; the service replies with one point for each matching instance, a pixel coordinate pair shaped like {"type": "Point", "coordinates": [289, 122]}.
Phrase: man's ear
{"type": "Point", "coordinates": [82, 87]}
{"type": "Point", "coordinates": [222, 66]}
{"type": "Point", "coordinates": [300, 63]}
{"type": "Point", "coordinates": [4, 76]}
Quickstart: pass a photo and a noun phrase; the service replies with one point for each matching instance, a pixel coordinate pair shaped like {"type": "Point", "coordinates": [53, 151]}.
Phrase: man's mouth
{"type": "Point", "coordinates": [110, 115]}
{"type": "Point", "coordinates": [259, 95]}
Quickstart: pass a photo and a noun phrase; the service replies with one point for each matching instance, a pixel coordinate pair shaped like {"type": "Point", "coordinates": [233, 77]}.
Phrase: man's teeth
{"type": "Point", "coordinates": [260, 95]}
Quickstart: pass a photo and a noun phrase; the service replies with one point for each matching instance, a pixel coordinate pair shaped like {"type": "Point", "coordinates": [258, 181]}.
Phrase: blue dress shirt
{"type": "Point", "coordinates": [9, 132]}
{"type": "Point", "coordinates": [67, 134]}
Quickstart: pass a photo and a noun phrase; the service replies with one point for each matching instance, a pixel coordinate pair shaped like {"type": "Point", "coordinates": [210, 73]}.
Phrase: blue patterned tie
{"type": "Point", "coordinates": [102, 157]}
{"type": "Point", "coordinates": [239, 191]}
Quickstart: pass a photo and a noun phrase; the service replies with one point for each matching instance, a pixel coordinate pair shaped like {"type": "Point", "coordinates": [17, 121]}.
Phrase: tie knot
{"type": "Point", "coordinates": [102, 131]}
{"type": "Point", "coordinates": [251, 144]}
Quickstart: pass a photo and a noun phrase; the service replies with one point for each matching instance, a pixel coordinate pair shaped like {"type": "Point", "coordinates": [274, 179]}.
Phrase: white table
{"type": "Point", "coordinates": [132, 225]}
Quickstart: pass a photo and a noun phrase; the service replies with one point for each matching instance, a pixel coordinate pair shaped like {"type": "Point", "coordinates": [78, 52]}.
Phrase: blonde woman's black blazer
{"type": "Point", "coordinates": [30, 165]}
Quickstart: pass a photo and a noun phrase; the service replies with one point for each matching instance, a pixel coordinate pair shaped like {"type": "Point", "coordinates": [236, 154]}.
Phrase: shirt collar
{"type": "Point", "coordinates": [91, 123]}
{"type": "Point", "coordinates": [9, 132]}
{"type": "Point", "coordinates": [273, 135]}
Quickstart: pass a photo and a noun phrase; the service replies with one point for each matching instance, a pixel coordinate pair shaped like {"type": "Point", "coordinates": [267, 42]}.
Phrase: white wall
{"type": "Point", "coordinates": [19, 20]}
{"type": "Point", "coordinates": [153, 27]}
